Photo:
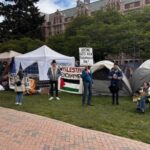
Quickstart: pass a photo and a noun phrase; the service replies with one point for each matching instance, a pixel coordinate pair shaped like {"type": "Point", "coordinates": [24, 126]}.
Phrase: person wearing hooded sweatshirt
{"type": "Point", "coordinates": [53, 75]}
{"type": "Point", "coordinates": [19, 87]}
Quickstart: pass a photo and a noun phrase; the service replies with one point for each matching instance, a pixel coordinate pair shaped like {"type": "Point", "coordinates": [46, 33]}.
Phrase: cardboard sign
{"type": "Point", "coordinates": [86, 56]}
{"type": "Point", "coordinates": [70, 80]}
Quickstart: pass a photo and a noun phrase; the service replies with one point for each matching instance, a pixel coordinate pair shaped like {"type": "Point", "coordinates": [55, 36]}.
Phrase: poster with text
{"type": "Point", "coordinates": [86, 56]}
{"type": "Point", "coordinates": [70, 80]}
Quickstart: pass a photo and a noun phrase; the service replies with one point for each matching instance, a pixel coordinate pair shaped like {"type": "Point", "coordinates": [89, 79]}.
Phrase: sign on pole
{"type": "Point", "coordinates": [86, 56]}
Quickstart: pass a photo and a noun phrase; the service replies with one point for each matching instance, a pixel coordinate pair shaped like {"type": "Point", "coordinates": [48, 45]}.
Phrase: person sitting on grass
{"type": "Point", "coordinates": [144, 95]}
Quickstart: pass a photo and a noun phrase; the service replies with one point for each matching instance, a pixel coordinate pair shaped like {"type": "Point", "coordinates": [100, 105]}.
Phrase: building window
{"type": "Point", "coordinates": [66, 19]}
{"type": "Point", "coordinates": [132, 5]}
{"type": "Point", "coordinates": [137, 4]}
{"type": "Point", "coordinates": [48, 23]}
{"type": "Point", "coordinates": [54, 21]}
{"type": "Point", "coordinates": [127, 6]}
{"type": "Point", "coordinates": [60, 20]}
{"type": "Point", "coordinates": [147, 1]}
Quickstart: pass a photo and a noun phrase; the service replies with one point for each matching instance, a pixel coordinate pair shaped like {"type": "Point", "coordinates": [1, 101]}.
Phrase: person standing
{"type": "Point", "coordinates": [87, 85]}
{"type": "Point", "coordinates": [19, 87]}
{"type": "Point", "coordinates": [53, 74]}
{"type": "Point", "coordinates": [115, 77]}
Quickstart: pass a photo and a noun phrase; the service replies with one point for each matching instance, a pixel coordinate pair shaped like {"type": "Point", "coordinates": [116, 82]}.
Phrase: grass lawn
{"type": "Point", "coordinates": [122, 120]}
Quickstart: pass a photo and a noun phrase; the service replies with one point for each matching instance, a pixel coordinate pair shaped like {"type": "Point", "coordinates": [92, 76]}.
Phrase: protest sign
{"type": "Point", "coordinates": [70, 80]}
{"type": "Point", "coordinates": [86, 56]}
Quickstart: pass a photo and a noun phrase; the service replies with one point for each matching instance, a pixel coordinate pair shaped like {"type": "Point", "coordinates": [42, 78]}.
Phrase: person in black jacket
{"type": "Point", "coordinates": [115, 77]}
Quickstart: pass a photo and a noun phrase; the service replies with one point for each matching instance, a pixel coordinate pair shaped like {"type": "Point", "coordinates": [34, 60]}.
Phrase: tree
{"type": "Point", "coordinates": [57, 43]}
{"type": "Point", "coordinates": [22, 45]}
{"type": "Point", "coordinates": [103, 32]}
{"type": "Point", "coordinates": [73, 38]}
{"type": "Point", "coordinates": [21, 19]}
{"type": "Point", "coordinates": [142, 19]}
{"type": "Point", "coordinates": [107, 32]}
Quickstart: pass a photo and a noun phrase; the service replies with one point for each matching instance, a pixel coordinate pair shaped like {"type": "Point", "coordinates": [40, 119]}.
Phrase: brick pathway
{"type": "Point", "coordinates": [24, 131]}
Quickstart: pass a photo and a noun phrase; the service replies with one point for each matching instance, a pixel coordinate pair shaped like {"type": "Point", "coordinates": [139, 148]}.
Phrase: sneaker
{"type": "Point", "coordinates": [142, 110]}
{"type": "Point", "coordinates": [17, 103]}
{"type": "Point", "coordinates": [51, 98]}
{"type": "Point", "coordinates": [57, 98]}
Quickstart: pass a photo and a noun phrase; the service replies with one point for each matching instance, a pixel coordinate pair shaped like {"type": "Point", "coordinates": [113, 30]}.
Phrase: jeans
{"type": "Point", "coordinates": [87, 94]}
{"type": "Point", "coordinates": [52, 84]}
{"type": "Point", "coordinates": [19, 97]}
{"type": "Point", "coordinates": [141, 103]}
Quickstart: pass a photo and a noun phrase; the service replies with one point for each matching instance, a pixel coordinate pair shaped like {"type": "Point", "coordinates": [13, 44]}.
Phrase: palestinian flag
{"type": "Point", "coordinates": [70, 85]}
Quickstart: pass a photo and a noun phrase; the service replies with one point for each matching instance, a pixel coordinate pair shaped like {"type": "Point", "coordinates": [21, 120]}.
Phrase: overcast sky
{"type": "Point", "coordinates": [50, 6]}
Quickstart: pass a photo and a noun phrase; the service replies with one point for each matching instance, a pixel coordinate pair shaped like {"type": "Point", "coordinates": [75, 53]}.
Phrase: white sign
{"type": "Point", "coordinates": [70, 80]}
{"type": "Point", "coordinates": [86, 56]}
{"type": "Point", "coordinates": [73, 73]}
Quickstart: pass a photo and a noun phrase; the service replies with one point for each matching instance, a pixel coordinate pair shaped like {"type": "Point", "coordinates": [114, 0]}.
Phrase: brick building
{"type": "Point", "coordinates": [57, 22]}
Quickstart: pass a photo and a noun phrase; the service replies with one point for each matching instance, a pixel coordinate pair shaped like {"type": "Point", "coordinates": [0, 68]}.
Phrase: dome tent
{"type": "Point", "coordinates": [101, 83]}
{"type": "Point", "coordinates": [141, 75]}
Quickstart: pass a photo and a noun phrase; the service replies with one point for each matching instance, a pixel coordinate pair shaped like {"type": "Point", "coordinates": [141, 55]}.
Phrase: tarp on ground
{"type": "Point", "coordinates": [141, 75]}
{"type": "Point", "coordinates": [43, 57]}
{"type": "Point", "coordinates": [101, 82]}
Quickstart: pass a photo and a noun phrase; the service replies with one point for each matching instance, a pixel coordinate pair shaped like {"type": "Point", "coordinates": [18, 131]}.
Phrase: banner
{"type": "Point", "coordinates": [70, 80]}
{"type": "Point", "coordinates": [86, 56]}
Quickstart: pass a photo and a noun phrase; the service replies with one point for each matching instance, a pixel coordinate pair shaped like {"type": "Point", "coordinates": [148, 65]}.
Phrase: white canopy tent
{"type": "Point", "coordinates": [43, 57]}
{"type": "Point", "coordinates": [101, 86]}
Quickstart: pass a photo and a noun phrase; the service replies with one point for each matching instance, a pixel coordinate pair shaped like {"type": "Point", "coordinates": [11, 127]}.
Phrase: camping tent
{"type": "Point", "coordinates": [141, 75]}
{"type": "Point", "coordinates": [7, 59]}
{"type": "Point", "coordinates": [43, 57]}
{"type": "Point", "coordinates": [101, 82]}
{"type": "Point", "coordinates": [9, 55]}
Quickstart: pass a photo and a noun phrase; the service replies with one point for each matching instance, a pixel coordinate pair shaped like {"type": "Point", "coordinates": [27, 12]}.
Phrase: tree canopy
{"type": "Point", "coordinates": [21, 19]}
{"type": "Point", "coordinates": [108, 32]}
